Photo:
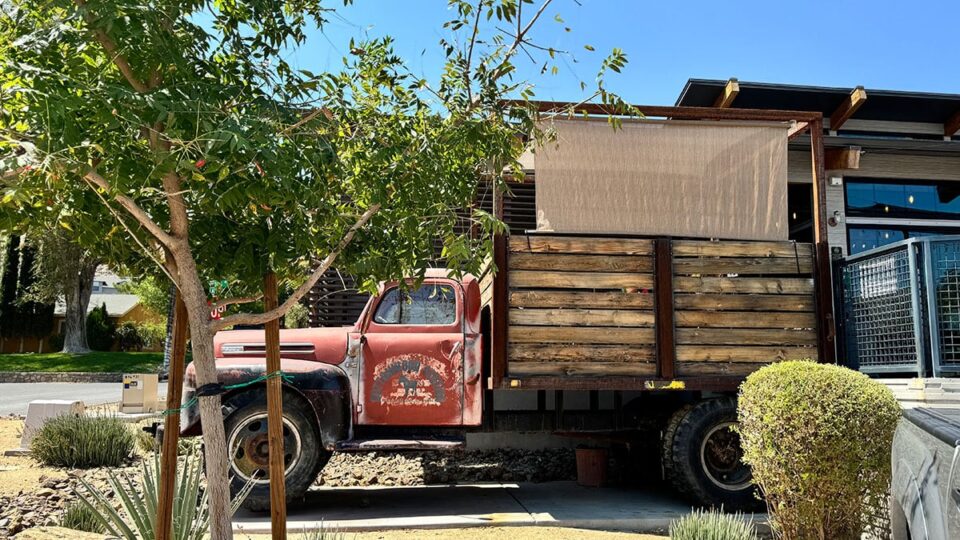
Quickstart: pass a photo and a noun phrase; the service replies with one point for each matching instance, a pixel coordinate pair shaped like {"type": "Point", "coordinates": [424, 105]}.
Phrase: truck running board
{"type": "Point", "coordinates": [362, 445]}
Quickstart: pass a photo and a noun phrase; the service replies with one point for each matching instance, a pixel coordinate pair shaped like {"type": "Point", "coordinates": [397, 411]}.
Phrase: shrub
{"type": "Point", "coordinates": [153, 335]}
{"type": "Point", "coordinates": [712, 525]}
{"type": "Point", "coordinates": [818, 438]}
{"type": "Point", "coordinates": [80, 517]}
{"type": "Point", "coordinates": [128, 338]}
{"type": "Point", "coordinates": [56, 342]}
{"type": "Point", "coordinates": [82, 442]}
{"type": "Point", "coordinates": [135, 519]}
{"type": "Point", "coordinates": [297, 317]}
{"type": "Point", "coordinates": [100, 329]}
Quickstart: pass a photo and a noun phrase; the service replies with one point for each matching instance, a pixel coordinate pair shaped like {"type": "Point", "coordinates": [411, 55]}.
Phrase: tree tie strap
{"type": "Point", "coordinates": [216, 389]}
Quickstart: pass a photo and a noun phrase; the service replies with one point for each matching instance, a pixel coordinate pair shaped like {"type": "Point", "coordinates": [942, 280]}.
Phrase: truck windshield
{"type": "Point", "coordinates": [430, 304]}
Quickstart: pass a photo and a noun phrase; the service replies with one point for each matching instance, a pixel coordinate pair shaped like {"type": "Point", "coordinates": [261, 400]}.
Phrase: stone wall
{"type": "Point", "coordinates": [58, 377]}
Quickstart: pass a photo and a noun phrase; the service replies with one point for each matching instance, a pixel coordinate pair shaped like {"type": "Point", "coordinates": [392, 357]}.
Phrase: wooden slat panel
{"type": "Point", "coordinates": [745, 302]}
{"type": "Point", "coordinates": [580, 353]}
{"type": "Point", "coordinates": [744, 265]}
{"type": "Point", "coordinates": [580, 280]}
{"type": "Point", "coordinates": [707, 353]}
{"type": "Point", "coordinates": [702, 369]}
{"type": "Point", "coordinates": [751, 336]}
{"type": "Point", "coordinates": [571, 244]}
{"type": "Point", "coordinates": [580, 368]}
{"type": "Point", "coordinates": [699, 248]}
{"type": "Point", "coordinates": [567, 334]}
{"type": "Point", "coordinates": [745, 319]}
{"type": "Point", "coordinates": [599, 263]}
{"type": "Point", "coordinates": [587, 300]}
{"type": "Point", "coordinates": [581, 317]}
{"type": "Point", "coordinates": [743, 285]}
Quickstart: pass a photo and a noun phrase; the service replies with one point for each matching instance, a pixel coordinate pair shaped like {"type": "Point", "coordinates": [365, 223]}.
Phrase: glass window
{"type": "Point", "coordinates": [907, 199]}
{"type": "Point", "coordinates": [864, 239]}
{"type": "Point", "coordinates": [430, 304]}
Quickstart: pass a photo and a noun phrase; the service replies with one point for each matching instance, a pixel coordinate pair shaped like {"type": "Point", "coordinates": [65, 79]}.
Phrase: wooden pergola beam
{"type": "Point", "coordinates": [728, 94]}
{"type": "Point", "coordinates": [847, 109]}
{"type": "Point", "coordinates": [846, 158]}
{"type": "Point", "coordinates": [952, 125]}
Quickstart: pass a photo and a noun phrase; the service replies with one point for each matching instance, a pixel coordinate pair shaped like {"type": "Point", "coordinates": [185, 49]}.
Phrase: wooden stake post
{"type": "Point", "coordinates": [171, 424]}
{"type": "Point", "coordinates": [278, 496]}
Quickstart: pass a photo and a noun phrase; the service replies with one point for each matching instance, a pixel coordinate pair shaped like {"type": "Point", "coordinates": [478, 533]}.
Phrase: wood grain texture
{"type": "Point", "coordinates": [580, 369]}
{"type": "Point", "coordinates": [278, 497]}
{"type": "Point", "coordinates": [704, 369]}
{"type": "Point", "coordinates": [599, 263]}
{"type": "Point", "coordinates": [745, 302]}
{"type": "Point", "coordinates": [579, 280]}
{"type": "Point", "coordinates": [569, 334]}
{"type": "Point", "coordinates": [171, 422]}
{"type": "Point", "coordinates": [708, 353]}
{"type": "Point", "coordinates": [743, 285]}
{"type": "Point", "coordinates": [744, 319]}
{"type": "Point", "coordinates": [581, 317]}
{"type": "Point", "coordinates": [745, 336]}
{"type": "Point", "coordinates": [737, 248]}
{"type": "Point", "coordinates": [744, 265]}
{"type": "Point", "coordinates": [577, 244]}
{"type": "Point", "coordinates": [578, 299]}
{"type": "Point", "coordinates": [524, 352]}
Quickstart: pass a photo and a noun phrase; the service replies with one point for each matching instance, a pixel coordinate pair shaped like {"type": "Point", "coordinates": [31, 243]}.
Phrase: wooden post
{"type": "Point", "coordinates": [663, 290]}
{"type": "Point", "coordinates": [826, 326]}
{"type": "Point", "coordinates": [171, 424]}
{"type": "Point", "coordinates": [278, 492]}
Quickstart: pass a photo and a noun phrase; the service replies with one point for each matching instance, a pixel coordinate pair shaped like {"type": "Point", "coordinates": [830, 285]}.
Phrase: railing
{"type": "Point", "coordinates": [901, 307]}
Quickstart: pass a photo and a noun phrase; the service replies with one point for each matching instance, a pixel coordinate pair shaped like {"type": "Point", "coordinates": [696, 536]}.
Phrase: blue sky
{"type": "Point", "coordinates": [893, 45]}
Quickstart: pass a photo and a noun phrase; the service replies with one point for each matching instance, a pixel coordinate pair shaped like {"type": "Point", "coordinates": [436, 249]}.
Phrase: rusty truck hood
{"type": "Point", "coordinates": [326, 345]}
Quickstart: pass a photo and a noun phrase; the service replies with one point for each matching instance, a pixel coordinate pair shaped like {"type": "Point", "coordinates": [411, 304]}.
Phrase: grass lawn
{"type": "Point", "coordinates": [129, 362]}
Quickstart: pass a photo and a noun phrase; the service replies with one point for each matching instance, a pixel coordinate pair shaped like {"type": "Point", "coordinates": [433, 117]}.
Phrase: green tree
{"type": "Point", "coordinates": [100, 329]}
{"type": "Point", "coordinates": [175, 135]}
{"type": "Point", "coordinates": [153, 295]}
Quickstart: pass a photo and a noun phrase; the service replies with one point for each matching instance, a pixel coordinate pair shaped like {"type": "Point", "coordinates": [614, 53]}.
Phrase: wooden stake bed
{"type": "Point", "coordinates": [621, 313]}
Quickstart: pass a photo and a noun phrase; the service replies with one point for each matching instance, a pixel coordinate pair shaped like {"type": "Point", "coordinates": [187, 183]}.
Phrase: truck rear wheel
{"type": "Point", "coordinates": [701, 456]}
{"type": "Point", "coordinates": [246, 428]}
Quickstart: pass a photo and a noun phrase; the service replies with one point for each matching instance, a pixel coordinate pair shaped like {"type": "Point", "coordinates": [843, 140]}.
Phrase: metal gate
{"type": "Point", "coordinates": [901, 307]}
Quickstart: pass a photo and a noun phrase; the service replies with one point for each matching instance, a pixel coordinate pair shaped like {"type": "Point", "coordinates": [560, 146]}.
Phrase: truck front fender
{"type": "Point", "coordinates": [325, 387]}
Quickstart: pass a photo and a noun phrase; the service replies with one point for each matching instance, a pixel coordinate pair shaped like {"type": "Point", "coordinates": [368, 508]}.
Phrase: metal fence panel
{"type": "Point", "coordinates": [942, 291]}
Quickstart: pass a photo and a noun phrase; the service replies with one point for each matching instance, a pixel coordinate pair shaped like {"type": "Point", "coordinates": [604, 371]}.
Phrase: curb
{"type": "Point", "coordinates": [58, 377]}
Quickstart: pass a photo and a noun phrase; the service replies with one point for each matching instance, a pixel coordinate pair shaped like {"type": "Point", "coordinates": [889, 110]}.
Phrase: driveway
{"type": "Point", "coordinates": [14, 397]}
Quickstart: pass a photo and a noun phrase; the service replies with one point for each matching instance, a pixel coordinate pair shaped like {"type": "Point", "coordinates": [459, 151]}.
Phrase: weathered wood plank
{"type": "Point", "coordinates": [522, 352]}
{"type": "Point", "coordinates": [580, 280]}
{"type": "Point", "coordinates": [579, 299]}
{"type": "Point", "coordinates": [707, 353]}
{"type": "Point", "coordinates": [741, 336]}
{"type": "Point", "coordinates": [568, 334]}
{"type": "Point", "coordinates": [598, 263]}
{"type": "Point", "coordinates": [745, 302]}
{"type": "Point", "coordinates": [730, 248]}
{"type": "Point", "coordinates": [577, 244]}
{"type": "Point", "coordinates": [702, 369]}
{"type": "Point", "coordinates": [580, 317]}
{"type": "Point", "coordinates": [744, 319]}
{"type": "Point", "coordinates": [581, 369]}
{"type": "Point", "coordinates": [744, 265]}
{"type": "Point", "coordinates": [743, 285]}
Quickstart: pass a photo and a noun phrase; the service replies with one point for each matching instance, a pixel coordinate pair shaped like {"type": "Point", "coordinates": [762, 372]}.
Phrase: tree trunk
{"type": "Point", "coordinates": [211, 414]}
{"type": "Point", "coordinates": [77, 298]}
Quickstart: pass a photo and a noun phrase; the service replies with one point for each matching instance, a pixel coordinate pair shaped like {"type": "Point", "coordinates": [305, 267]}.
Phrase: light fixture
{"type": "Point", "coordinates": [886, 209]}
{"type": "Point", "coordinates": [910, 199]}
{"type": "Point", "coordinates": [794, 215]}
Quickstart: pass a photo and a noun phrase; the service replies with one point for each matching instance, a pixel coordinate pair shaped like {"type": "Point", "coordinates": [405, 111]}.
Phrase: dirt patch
{"type": "Point", "coordinates": [20, 474]}
{"type": "Point", "coordinates": [485, 533]}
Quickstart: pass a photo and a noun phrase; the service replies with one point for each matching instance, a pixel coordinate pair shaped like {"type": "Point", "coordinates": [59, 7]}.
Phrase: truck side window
{"type": "Point", "coordinates": [430, 304]}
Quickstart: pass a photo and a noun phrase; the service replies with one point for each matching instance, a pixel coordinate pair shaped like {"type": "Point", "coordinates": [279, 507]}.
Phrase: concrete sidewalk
{"type": "Point", "coordinates": [558, 504]}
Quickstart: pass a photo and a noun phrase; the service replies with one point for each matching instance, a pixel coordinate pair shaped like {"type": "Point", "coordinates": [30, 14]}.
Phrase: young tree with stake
{"type": "Point", "coordinates": [198, 149]}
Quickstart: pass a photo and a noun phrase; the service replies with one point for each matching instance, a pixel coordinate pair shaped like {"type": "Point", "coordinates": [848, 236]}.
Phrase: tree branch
{"type": "Point", "coordinates": [304, 288]}
{"type": "Point", "coordinates": [134, 210]}
{"type": "Point", "coordinates": [111, 47]}
{"type": "Point", "coordinates": [469, 59]}
{"type": "Point", "coordinates": [179, 221]}
{"type": "Point", "coordinates": [238, 300]}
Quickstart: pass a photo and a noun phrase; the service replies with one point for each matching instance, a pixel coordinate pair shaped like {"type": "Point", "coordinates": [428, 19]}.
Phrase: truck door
{"type": "Point", "coordinates": [411, 370]}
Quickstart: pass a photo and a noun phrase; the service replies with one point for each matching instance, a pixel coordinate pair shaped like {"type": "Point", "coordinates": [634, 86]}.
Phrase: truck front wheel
{"type": "Point", "coordinates": [701, 456]}
{"type": "Point", "coordinates": [246, 427]}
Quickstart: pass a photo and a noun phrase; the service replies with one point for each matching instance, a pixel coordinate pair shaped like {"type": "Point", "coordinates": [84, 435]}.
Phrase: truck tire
{"type": "Point", "coordinates": [246, 427]}
{"type": "Point", "coordinates": [701, 456]}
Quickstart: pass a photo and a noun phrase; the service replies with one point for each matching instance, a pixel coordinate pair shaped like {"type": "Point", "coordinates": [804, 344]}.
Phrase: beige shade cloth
{"type": "Point", "coordinates": [677, 178]}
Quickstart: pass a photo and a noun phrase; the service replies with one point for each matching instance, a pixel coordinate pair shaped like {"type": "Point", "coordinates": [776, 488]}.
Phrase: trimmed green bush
{"type": "Point", "coordinates": [100, 329]}
{"type": "Point", "coordinates": [81, 517]}
{"type": "Point", "coordinates": [297, 317]}
{"type": "Point", "coordinates": [83, 442]}
{"type": "Point", "coordinates": [712, 525]}
{"type": "Point", "coordinates": [128, 338]}
{"type": "Point", "coordinates": [818, 439]}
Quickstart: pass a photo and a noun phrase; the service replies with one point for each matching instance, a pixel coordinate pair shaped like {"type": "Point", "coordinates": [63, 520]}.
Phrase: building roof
{"type": "Point", "coordinates": [886, 105]}
{"type": "Point", "coordinates": [118, 304]}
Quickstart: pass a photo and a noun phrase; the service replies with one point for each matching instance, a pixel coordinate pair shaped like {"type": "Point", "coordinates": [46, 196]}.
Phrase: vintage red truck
{"type": "Point", "coordinates": [668, 328]}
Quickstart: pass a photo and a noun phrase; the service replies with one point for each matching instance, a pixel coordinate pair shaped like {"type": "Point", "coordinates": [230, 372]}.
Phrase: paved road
{"type": "Point", "coordinates": [14, 397]}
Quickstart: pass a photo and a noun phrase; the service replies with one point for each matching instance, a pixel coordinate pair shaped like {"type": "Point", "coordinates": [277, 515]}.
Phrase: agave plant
{"type": "Point", "coordinates": [137, 520]}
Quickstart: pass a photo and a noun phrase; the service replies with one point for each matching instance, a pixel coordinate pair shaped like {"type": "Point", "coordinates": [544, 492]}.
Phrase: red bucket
{"type": "Point", "coordinates": [592, 466]}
